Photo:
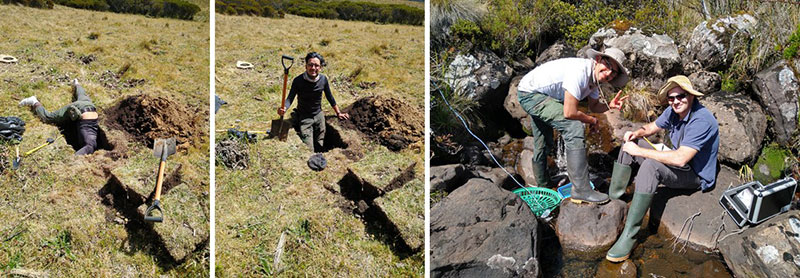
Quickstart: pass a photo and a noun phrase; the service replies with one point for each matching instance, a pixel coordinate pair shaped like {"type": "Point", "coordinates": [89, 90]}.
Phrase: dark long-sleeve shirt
{"type": "Point", "coordinates": [309, 95]}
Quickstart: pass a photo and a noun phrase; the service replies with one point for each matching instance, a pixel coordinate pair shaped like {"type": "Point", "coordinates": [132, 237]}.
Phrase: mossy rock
{"type": "Point", "coordinates": [770, 165]}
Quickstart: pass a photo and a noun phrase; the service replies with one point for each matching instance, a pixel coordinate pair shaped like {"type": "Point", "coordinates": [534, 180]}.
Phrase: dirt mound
{"type": "Point", "coordinates": [146, 118]}
{"type": "Point", "coordinates": [389, 121]}
{"type": "Point", "coordinates": [233, 154]}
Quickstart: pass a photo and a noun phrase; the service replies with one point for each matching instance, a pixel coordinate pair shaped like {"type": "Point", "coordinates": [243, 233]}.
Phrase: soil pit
{"type": "Point", "coordinates": [71, 133]}
{"type": "Point", "coordinates": [389, 121]}
{"type": "Point", "coordinates": [361, 198]}
{"type": "Point", "coordinates": [233, 154]}
{"type": "Point", "coordinates": [333, 138]}
{"type": "Point", "coordinates": [146, 118]}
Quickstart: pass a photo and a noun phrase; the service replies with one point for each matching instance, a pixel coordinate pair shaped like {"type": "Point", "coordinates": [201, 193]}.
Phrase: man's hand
{"type": "Point", "coordinates": [343, 116]}
{"type": "Point", "coordinates": [631, 148]}
{"type": "Point", "coordinates": [281, 111]}
{"type": "Point", "coordinates": [629, 136]}
{"type": "Point", "coordinates": [617, 102]}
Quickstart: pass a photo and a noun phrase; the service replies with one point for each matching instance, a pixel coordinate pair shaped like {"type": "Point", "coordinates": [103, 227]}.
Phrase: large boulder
{"type": "Point", "coordinates": [713, 44]}
{"type": "Point", "coordinates": [556, 51]}
{"type": "Point", "coordinates": [448, 177]}
{"type": "Point", "coordinates": [513, 107]}
{"type": "Point", "coordinates": [771, 249]}
{"type": "Point", "coordinates": [478, 75]}
{"type": "Point", "coordinates": [672, 208]}
{"type": "Point", "coordinates": [480, 230]}
{"type": "Point", "coordinates": [777, 89]}
{"type": "Point", "coordinates": [706, 82]}
{"type": "Point", "coordinates": [597, 39]}
{"type": "Point", "coordinates": [587, 230]}
{"type": "Point", "coordinates": [650, 58]}
{"type": "Point", "coordinates": [742, 125]}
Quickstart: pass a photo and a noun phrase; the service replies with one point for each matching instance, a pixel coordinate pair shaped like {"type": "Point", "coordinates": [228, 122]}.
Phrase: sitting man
{"type": "Point", "coordinates": [81, 115]}
{"type": "Point", "coordinates": [690, 164]}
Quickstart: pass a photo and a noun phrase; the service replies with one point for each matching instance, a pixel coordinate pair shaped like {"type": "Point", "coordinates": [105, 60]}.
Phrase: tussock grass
{"type": "Point", "coordinates": [53, 219]}
{"type": "Point", "coordinates": [278, 192]}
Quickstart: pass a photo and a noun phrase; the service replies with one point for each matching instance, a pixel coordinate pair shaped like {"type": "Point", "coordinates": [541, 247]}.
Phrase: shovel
{"type": "Point", "coordinates": [19, 158]}
{"type": "Point", "coordinates": [162, 148]}
{"type": "Point", "coordinates": [279, 128]}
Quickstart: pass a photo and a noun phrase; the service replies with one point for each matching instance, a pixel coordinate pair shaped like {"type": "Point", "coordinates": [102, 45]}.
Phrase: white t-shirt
{"type": "Point", "coordinates": [573, 75]}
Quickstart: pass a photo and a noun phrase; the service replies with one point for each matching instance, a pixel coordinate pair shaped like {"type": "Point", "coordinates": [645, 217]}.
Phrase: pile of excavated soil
{"type": "Point", "coordinates": [233, 154]}
{"type": "Point", "coordinates": [146, 118]}
{"type": "Point", "coordinates": [389, 121]}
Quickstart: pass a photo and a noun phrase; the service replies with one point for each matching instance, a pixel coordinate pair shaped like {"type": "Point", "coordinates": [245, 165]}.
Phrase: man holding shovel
{"type": "Point", "coordinates": [550, 94]}
{"type": "Point", "coordinates": [81, 114]}
{"type": "Point", "coordinates": [308, 118]}
{"type": "Point", "coordinates": [690, 164]}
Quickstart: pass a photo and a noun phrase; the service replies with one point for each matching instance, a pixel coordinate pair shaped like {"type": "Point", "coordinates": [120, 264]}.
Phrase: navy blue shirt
{"type": "Point", "coordinates": [699, 131]}
{"type": "Point", "coordinates": [309, 95]}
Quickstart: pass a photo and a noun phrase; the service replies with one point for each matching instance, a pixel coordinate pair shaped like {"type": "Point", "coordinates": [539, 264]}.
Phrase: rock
{"type": "Point", "coordinates": [706, 82]}
{"type": "Point", "coordinates": [525, 166]}
{"type": "Point", "coordinates": [710, 269]}
{"type": "Point", "coordinates": [448, 177]}
{"type": "Point", "coordinates": [477, 76]}
{"type": "Point", "coordinates": [650, 58]}
{"type": "Point", "coordinates": [742, 125]}
{"type": "Point", "coordinates": [496, 176]}
{"type": "Point", "coordinates": [587, 230]}
{"type": "Point", "coordinates": [511, 104]}
{"type": "Point", "coordinates": [771, 249]}
{"type": "Point", "coordinates": [713, 45]}
{"type": "Point", "coordinates": [771, 164]}
{"type": "Point", "coordinates": [480, 230]}
{"type": "Point", "coordinates": [523, 64]}
{"type": "Point", "coordinates": [527, 143]}
{"type": "Point", "coordinates": [671, 208]}
{"type": "Point", "coordinates": [777, 89]}
{"type": "Point", "coordinates": [598, 38]}
{"type": "Point", "coordinates": [626, 269]}
{"type": "Point", "coordinates": [619, 125]}
{"type": "Point", "coordinates": [556, 51]}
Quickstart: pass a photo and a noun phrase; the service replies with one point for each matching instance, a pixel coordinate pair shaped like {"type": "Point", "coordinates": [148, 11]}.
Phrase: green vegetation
{"type": "Point", "coordinates": [345, 10]}
{"type": "Point", "coordinates": [44, 4]}
{"type": "Point", "coordinates": [179, 9]}
{"type": "Point", "coordinates": [771, 164]}
{"type": "Point", "coordinates": [790, 52]}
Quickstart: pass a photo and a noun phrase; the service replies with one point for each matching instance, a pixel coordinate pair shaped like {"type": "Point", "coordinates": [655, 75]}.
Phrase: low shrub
{"type": "Point", "coordinates": [43, 4]}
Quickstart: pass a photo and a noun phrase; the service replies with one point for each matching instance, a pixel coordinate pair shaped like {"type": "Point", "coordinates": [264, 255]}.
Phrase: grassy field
{"type": "Point", "coordinates": [55, 217]}
{"type": "Point", "coordinates": [278, 194]}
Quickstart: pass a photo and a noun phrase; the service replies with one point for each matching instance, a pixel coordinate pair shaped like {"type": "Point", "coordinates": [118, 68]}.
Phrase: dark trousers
{"type": "Point", "coordinates": [652, 173]}
{"type": "Point", "coordinates": [87, 129]}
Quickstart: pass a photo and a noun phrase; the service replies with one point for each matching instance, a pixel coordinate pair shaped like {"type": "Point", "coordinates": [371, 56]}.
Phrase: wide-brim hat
{"type": "Point", "coordinates": [616, 55]}
{"type": "Point", "coordinates": [677, 81]}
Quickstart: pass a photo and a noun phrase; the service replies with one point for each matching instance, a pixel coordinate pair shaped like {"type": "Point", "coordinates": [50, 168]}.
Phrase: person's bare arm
{"type": "Point", "coordinates": [678, 157]}
{"type": "Point", "coordinates": [571, 111]}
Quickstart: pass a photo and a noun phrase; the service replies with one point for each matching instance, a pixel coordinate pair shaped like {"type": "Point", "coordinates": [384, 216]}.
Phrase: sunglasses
{"type": "Point", "coordinates": [679, 97]}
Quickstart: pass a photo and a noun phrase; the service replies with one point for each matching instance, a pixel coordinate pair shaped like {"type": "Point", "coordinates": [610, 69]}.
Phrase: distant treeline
{"type": "Point", "coordinates": [44, 4]}
{"type": "Point", "coordinates": [346, 10]}
{"type": "Point", "coordinates": [158, 8]}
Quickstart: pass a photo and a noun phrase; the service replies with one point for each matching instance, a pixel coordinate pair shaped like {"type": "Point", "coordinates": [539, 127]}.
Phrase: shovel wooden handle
{"type": "Point", "coordinates": [160, 179]}
{"type": "Point", "coordinates": [283, 97]}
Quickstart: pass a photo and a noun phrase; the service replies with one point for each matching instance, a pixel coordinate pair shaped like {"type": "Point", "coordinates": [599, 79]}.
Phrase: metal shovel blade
{"type": "Point", "coordinates": [15, 163]}
{"type": "Point", "coordinates": [280, 128]}
{"type": "Point", "coordinates": [164, 145]}
{"type": "Point", "coordinates": [150, 216]}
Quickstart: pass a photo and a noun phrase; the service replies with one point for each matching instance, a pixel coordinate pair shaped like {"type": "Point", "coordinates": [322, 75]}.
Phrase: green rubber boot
{"type": "Point", "coordinates": [578, 171]}
{"type": "Point", "coordinates": [624, 245]}
{"type": "Point", "coordinates": [540, 171]}
{"type": "Point", "coordinates": [620, 178]}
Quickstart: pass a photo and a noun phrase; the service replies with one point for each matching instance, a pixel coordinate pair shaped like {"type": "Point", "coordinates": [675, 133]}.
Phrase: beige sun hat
{"type": "Point", "coordinates": [677, 81]}
{"type": "Point", "coordinates": [616, 55]}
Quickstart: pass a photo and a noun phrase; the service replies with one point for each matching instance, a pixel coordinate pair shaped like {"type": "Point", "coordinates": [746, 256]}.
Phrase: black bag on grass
{"type": "Point", "coordinates": [11, 128]}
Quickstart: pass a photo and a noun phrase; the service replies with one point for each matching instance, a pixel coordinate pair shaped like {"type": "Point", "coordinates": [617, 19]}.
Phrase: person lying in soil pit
{"type": "Point", "coordinates": [80, 114]}
{"type": "Point", "coordinates": [307, 117]}
{"type": "Point", "coordinates": [550, 94]}
{"type": "Point", "coordinates": [690, 164]}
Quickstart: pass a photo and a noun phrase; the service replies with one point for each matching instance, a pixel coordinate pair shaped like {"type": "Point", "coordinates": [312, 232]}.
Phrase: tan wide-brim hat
{"type": "Point", "coordinates": [616, 55]}
{"type": "Point", "coordinates": [677, 81]}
